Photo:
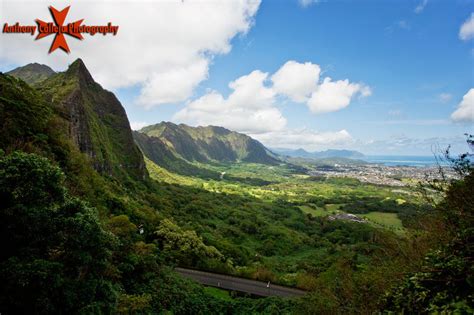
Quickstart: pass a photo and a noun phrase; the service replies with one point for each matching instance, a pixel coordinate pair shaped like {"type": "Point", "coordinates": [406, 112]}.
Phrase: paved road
{"type": "Point", "coordinates": [238, 284]}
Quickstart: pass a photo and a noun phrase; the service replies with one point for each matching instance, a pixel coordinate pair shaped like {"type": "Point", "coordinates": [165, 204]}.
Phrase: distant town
{"type": "Point", "coordinates": [379, 174]}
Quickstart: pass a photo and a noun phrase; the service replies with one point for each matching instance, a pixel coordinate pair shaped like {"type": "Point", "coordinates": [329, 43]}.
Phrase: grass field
{"type": "Point", "coordinates": [314, 211]}
{"type": "Point", "coordinates": [385, 220]}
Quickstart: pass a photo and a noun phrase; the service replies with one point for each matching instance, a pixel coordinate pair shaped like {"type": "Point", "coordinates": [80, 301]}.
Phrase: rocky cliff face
{"type": "Point", "coordinates": [97, 122]}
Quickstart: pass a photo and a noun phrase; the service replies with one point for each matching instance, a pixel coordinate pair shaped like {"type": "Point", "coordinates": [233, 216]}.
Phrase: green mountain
{"type": "Point", "coordinates": [95, 120]}
{"type": "Point", "coordinates": [32, 73]}
{"type": "Point", "coordinates": [158, 152]}
{"type": "Point", "coordinates": [77, 240]}
{"type": "Point", "coordinates": [177, 147]}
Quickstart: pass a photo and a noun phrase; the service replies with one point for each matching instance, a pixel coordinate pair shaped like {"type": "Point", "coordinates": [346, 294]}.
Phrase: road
{"type": "Point", "coordinates": [239, 284]}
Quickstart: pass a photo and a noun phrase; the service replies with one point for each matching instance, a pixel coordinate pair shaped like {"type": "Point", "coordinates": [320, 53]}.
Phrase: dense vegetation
{"type": "Point", "coordinates": [445, 281]}
{"type": "Point", "coordinates": [206, 144]}
{"type": "Point", "coordinates": [81, 240]}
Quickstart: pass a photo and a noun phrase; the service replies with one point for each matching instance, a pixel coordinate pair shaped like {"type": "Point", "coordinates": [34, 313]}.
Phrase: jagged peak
{"type": "Point", "coordinates": [79, 69]}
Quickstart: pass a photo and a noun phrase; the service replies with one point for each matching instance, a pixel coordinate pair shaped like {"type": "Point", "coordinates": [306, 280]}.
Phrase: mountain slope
{"type": "Point", "coordinates": [206, 144]}
{"type": "Point", "coordinates": [32, 73]}
{"type": "Point", "coordinates": [160, 154]}
{"type": "Point", "coordinates": [96, 121]}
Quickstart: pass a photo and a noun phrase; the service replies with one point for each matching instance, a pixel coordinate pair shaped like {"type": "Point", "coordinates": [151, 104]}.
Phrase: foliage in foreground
{"type": "Point", "coordinates": [445, 281]}
{"type": "Point", "coordinates": [62, 254]}
{"type": "Point", "coordinates": [55, 255]}
{"type": "Point", "coordinates": [58, 258]}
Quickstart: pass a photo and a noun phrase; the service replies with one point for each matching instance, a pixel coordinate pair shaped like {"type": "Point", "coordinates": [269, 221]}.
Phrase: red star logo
{"type": "Point", "coordinates": [59, 40]}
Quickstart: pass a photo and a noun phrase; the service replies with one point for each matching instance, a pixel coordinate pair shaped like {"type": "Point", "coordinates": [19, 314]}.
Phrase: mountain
{"type": "Point", "coordinates": [301, 153]}
{"type": "Point", "coordinates": [161, 154]}
{"type": "Point", "coordinates": [32, 73]}
{"type": "Point", "coordinates": [95, 120]}
{"type": "Point", "coordinates": [200, 144]}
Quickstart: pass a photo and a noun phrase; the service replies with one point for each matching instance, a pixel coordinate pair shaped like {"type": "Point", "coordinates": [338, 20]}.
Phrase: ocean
{"type": "Point", "coordinates": [401, 160]}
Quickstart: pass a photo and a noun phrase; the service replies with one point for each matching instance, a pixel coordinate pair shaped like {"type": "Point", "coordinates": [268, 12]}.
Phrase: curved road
{"type": "Point", "coordinates": [239, 284]}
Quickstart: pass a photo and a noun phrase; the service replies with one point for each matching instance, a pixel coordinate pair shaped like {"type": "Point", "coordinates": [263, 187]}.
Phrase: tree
{"type": "Point", "coordinates": [55, 255]}
{"type": "Point", "coordinates": [445, 281]}
{"type": "Point", "coordinates": [184, 244]}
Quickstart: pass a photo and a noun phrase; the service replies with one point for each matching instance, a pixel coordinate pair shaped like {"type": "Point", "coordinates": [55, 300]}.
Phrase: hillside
{"type": "Point", "coordinates": [85, 230]}
{"type": "Point", "coordinates": [32, 73]}
{"type": "Point", "coordinates": [159, 153]}
{"type": "Point", "coordinates": [177, 147]}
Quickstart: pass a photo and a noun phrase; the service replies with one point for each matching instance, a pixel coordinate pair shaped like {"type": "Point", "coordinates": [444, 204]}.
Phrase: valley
{"type": "Point", "coordinates": [121, 209]}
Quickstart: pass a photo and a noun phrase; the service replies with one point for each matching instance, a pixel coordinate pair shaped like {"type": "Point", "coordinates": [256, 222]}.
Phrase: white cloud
{"type": "Point", "coordinates": [421, 6]}
{"type": "Point", "coordinates": [305, 138]}
{"type": "Point", "coordinates": [465, 110]}
{"type": "Point", "coordinates": [137, 125]}
{"type": "Point", "coordinates": [445, 97]}
{"type": "Point", "coordinates": [249, 108]}
{"type": "Point", "coordinates": [296, 80]}
{"type": "Point", "coordinates": [163, 47]}
{"type": "Point", "coordinates": [300, 83]}
{"type": "Point", "coordinates": [466, 31]}
{"type": "Point", "coordinates": [173, 85]}
{"type": "Point", "coordinates": [332, 96]}
{"type": "Point", "coordinates": [307, 3]}
{"type": "Point", "coordinates": [250, 91]}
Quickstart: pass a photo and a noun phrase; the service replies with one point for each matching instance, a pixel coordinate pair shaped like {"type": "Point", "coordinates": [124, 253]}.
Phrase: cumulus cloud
{"type": "Point", "coordinates": [465, 109]}
{"type": "Point", "coordinates": [252, 106]}
{"type": "Point", "coordinates": [249, 108]}
{"type": "Point", "coordinates": [300, 83]}
{"type": "Point", "coordinates": [296, 80]}
{"type": "Point", "coordinates": [305, 138]}
{"type": "Point", "coordinates": [421, 6]}
{"type": "Point", "coordinates": [163, 47]}
{"type": "Point", "coordinates": [332, 96]}
{"type": "Point", "coordinates": [466, 31]}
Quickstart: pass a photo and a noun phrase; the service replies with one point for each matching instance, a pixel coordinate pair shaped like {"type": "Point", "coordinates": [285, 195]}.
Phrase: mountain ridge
{"type": "Point", "coordinates": [205, 144]}
{"type": "Point", "coordinates": [96, 121]}
{"type": "Point", "coordinates": [32, 73]}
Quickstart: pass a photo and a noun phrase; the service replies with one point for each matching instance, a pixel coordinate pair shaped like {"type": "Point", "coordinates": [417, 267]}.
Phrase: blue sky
{"type": "Point", "coordinates": [406, 61]}
{"type": "Point", "coordinates": [409, 60]}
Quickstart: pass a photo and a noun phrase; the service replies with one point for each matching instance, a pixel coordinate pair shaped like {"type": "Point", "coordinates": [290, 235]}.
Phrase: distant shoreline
{"type": "Point", "coordinates": [402, 160]}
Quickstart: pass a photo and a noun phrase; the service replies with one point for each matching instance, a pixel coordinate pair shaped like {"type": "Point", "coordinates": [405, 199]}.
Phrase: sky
{"type": "Point", "coordinates": [382, 77]}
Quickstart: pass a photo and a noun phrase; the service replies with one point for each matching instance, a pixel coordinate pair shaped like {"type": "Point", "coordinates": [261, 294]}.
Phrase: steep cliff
{"type": "Point", "coordinates": [97, 122]}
